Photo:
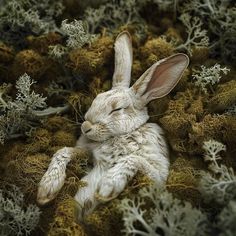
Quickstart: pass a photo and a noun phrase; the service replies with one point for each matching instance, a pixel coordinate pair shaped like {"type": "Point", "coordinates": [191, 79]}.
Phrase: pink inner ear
{"type": "Point", "coordinates": [166, 75]}
{"type": "Point", "coordinates": [161, 75]}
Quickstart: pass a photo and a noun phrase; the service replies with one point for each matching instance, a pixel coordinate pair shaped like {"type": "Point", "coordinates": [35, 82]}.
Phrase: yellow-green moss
{"type": "Point", "coordinates": [137, 70]}
{"type": "Point", "coordinates": [30, 62]}
{"type": "Point", "coordinates": [39, 141]}
{"type": "Point", "coordinates": [80, 102]}
{"type": "Point", "coordinates": [64, 222]}
{"type": "Point", "coordinates": [154, 50]}
{"type": "Point", "coordinates": [219, 127]}
{"type": "Point", "coordinates": [42, 42]}
{"type": "Point", "coordinates": [182, 114]}
{"type": "Point", "coordinates": [6, 53]}
{"type": "Point", "coordinates": [56, 123]}
{"type": "Point", "coordinates": [173, 34]}
{"type": "Point", "coordinates": [184, 178]}
{"type": "Point", "coordinates": [200, 55]}
{"type": "Point", "coordinates": [27, 172]}
{"type": "Point", "coordinates": [224, 97]}
{"type": "Point", "coordinates": [63, 138]}
{"type": "Point", "coordinates": [92, 60]}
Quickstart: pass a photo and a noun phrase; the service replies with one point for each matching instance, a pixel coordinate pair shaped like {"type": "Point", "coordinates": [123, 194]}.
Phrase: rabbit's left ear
{"type": "Point", "coordinates": [161, 77]}
{"type": "Point", "coordinates": [123, 60]}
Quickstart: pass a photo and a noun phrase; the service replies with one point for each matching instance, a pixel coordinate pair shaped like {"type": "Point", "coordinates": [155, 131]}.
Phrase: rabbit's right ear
{"type": "Point", "coordinates": [123, 60]}
{"type": "Point", "coordinates": [161, 78]}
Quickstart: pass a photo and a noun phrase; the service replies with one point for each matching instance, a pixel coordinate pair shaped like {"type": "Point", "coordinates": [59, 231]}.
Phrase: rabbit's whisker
{"type": "Point", "coordinates": [156, 115]}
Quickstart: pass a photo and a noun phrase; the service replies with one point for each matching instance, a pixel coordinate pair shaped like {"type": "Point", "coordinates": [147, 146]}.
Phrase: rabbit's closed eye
{"type": "Point", "coordinates": [117, 109]}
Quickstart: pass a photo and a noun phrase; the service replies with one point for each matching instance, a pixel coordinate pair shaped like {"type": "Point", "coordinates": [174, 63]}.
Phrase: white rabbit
{"type": "Point", "coordinates": [116, 132]}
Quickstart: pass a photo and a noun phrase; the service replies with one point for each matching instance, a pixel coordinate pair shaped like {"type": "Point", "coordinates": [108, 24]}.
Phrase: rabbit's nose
{"type": "Point", "coordinates": [86, 127]}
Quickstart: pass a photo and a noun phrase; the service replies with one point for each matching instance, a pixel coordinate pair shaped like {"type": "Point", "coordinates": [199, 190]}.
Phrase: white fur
{"type": "Point", "coordinates": [117, 134]}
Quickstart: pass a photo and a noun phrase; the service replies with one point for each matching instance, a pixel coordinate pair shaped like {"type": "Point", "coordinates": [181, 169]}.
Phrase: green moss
{"type": "Point", "coordinates": [200, 55]}
{"type": "Point", "coordinates": [64, 222]}
{"type": "Point", "coordinates": [56, 123]}
{"type": "Point", "coordinates": [30, 62]}
{"type": "Point", "coordinates": [27, 172]}
{"type": "Point", "coordinates": [154, 50]}
{"type": "Point", "coordinates": [92, 60]}
{"type": "Point", "coordinates": [6, 53]}
{"type": "Point", "coordinates": [63, 138]}
{"type": "Point", "coordinates": [42, 42]}
{"type": "Point", "coordinates": [184, 177]}
{"type": "Point", "coordinates": [224, 97]}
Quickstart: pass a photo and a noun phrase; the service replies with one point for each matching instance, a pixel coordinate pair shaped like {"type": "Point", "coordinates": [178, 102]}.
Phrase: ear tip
{"type": "Point", "coordinates": [184, 57]}
{"type": "Point", "coordinates": [124, 33]}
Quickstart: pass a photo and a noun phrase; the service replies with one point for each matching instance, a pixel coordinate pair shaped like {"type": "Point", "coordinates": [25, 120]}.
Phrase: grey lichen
{"type": "Point", "coordinates": [77, 34]}
{"type": "Point", "coordinates": [226, 220]}
{"type": "Point", "coordinates": [18, 115]}
{"type": "Point", "coordinates": [208, 76]}
{"type": "Point", "coordinates": [24, 17]}
{"type": "Point", "coordinates": [196, 36]}
{"type": "Point", "coordinates": [167, 215]}
{"type": "Point", "coordinates": [220, 17]}
{"type": "Point", "coordinates": [115, 14]}
{"type": "Point", "coordinates": [15, 218]}
{"type": "Point", "coordinates": [219, 185]}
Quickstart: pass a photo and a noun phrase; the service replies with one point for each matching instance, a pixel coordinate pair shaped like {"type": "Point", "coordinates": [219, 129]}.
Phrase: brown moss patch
{"type": "Point", "coordinates": [224, 97]}
{"type": "Point", "coordinates": [80, 102]}
{"type": "Point", "coordinates": [184, 177]}
{"type": "Point", "coordinates": [6, 53]}
{"type": "Point", "coordinates": [219, 127]}
{"type": "Point", "coordinates": [183, 112]}
{"type": "Point", "coordinates": [56, 123]}
{"type": "Point", "coordinates": [93, 59]}
{"type": "Point", "coordinates": [42, 42]}
{"type": "Point", "coordinates": [27, 172]}
{"type": "Point", "coordinates": [39, 141]}
{"type": "Point", "coordinates": [30, 62]}
{"type": "Point", "coordinates": [63, 138]}
{"type": "Point", "coordinates": [173, 35]}
{"type": "Point", "coordinates": [156, 49]}
{"type": "Point", "coordinates": [64, 222]}
{"type": "Point", "coordinates": [200, 55]}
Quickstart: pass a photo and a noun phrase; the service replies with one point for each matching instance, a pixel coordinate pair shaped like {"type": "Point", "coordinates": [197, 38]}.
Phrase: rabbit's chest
{"type": "Point", "coordinates": [111, 150]}
{"type": "Point", "coordinates": [140, 142]}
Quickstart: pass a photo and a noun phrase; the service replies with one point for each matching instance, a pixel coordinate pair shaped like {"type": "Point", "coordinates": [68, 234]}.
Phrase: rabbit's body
{"type": "Point", "coordinates": [118, 159]}
{"type": "Point", "coordinates": [116, 132]}
{"type": "Point", "coordinates": [146, 145]}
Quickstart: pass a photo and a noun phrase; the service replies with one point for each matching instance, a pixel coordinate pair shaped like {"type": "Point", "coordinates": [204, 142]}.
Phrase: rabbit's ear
{"type": "Point", "coordinates": [123, 60]}
{"type": "Point", "coordinates": [161, 77]}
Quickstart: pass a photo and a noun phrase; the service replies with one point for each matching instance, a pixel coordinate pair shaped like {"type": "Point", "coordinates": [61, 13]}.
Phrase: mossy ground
{"type": "Point", "coordinates": [186, 114]}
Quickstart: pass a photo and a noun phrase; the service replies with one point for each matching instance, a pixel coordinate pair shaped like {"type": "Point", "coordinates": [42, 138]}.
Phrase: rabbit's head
{"type": "Point", "coordinates": [123, 108]}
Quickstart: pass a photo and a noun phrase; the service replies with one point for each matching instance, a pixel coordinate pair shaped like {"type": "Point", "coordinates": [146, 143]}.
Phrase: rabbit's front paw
{"type": "Point", "coordinates": [49, 186]}
{"type": "Point", "coordinates": [109, 189]}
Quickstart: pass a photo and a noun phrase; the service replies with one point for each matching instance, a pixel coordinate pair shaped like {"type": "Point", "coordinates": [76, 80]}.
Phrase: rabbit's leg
{"type": "Point", "coordinates": [116, 178]}
{"type": "Point", "coordinates": [85, 197]}
{"type": "Point", "coordinates": [54, 178]}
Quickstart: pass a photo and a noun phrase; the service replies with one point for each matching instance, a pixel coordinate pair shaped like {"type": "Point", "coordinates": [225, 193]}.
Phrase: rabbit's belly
{"type": "Point", "coordinates": [146, 142]}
